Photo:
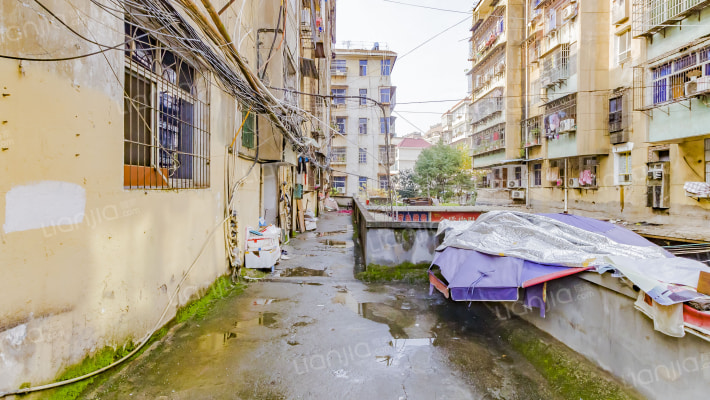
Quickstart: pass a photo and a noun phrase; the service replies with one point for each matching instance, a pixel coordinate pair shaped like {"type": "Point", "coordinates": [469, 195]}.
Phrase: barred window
{"type": "Point", "coordinates": [338, 155]}
{"type": "Point", "coordinates": [166, 118]}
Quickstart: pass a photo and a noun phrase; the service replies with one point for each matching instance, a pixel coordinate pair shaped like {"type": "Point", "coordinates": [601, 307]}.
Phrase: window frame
{"type": "Point", "coordinates": [385, 90]}
{"type": "Point", "coordinates": [341, 124]}
{"type": "Point", "coordinates": [338, 95]}
{"type": "Point", "coordinates": [362, 67]}
{"type": "Point", "coordinates": [386, 67]}
{"type": "Point", "coordinates": [362, 93]}
{"type": "Point", "coordinates": [362, 155]}
{"type": "Point", "coordinates": [537, 175]}
{"type": "Point", "coordinates": [362, 126]}
{"type": "Point", "coordinates": [339, 182]}
{"type": "Point", "coordinates": [169, 100]}
{"type": "Point", "coordinates": [622, 54]}
{"type": "Point", "coordinates": [362, 184]}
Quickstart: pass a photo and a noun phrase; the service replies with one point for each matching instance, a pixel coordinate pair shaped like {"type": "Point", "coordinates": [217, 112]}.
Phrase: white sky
{"type": "Point", "coordinates": [435, 71]}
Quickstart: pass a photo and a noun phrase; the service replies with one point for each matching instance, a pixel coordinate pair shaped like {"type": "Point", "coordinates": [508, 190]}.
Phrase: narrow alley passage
{"type": "Point", "coordinates": [312, 331]}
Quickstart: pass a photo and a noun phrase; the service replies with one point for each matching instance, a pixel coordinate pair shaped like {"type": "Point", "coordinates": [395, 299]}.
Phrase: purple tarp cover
{"type": "Point", "coordinates": [475, 276]}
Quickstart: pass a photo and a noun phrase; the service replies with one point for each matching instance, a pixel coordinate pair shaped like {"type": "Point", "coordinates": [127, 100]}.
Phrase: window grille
{"type": "Point", "coordinates": [166, 118]}
{"type": "Point", "coordinates": [338, 155]}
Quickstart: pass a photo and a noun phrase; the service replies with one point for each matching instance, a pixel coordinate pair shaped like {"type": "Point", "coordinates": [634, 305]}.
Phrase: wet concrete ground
{"type": "Point", "coordinates": [312, 331]}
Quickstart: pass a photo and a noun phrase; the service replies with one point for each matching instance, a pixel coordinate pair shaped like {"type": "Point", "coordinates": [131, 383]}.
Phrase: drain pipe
{"type": "Point", "coordinates": [566, 186]}
{"type": "Point", "coordinates": [526, 112]}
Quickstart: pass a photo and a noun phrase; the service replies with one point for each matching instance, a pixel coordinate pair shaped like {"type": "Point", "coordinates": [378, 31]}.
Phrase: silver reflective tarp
{"type": "Point", "coordinates": [540, 239]}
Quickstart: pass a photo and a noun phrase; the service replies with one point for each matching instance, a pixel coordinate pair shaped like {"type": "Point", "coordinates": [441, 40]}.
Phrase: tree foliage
{"type": "Point", "coordinates": [438, 168]}
{"type": "Point", "coordinates": [404, 184]}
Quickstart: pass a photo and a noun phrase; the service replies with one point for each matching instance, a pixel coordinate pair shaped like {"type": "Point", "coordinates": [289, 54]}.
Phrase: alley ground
{"type": "Point", "coordinates": [312, 331]}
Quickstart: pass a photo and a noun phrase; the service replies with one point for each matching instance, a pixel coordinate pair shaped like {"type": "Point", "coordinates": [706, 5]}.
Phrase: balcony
{"type": "Point", "coordinates": [555, 67]}
{"type": "Point", "coordinates": [489, 140]}
{"type": "Point", "coordinates": [651, 16]}
{"type": "Point", "coordinates": [531, 132]}
{"type": "Point", "coordinates": [487, 107]}
{"type": "Point", "coordinates": [338, 71]}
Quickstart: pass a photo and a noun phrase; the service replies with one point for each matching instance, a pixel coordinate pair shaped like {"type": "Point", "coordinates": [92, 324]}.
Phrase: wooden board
{"type": "Point", "coordinates": [704, 283]}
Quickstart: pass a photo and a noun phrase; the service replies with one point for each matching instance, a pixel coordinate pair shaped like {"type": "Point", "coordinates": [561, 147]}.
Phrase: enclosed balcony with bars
{"type": "Point", "coordinates": [652, 16]}
{"type": "Point", "coordinates": [532, 133]}
{"type": "Point", "coordinates": [556, 66]}
{"type": "Point", "coordinates": [488, 140]}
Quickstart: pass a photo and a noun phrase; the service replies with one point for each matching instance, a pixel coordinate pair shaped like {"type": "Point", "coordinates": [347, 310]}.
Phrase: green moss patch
{"type": "Point", "coordinates": [197, 308]}
{"type": "Point", "coordinates": [405, 272]}
{"type": "Point", "coordinates": [570, 375]}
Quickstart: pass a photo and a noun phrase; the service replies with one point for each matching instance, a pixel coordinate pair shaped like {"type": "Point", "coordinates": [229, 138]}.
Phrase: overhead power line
{"type": "Point", "coordinates": [427, 7]}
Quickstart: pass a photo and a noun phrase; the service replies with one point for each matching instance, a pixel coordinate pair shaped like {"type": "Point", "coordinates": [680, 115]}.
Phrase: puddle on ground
{"type": "Point", "coordinates": [321, 234]}
{"type": "Point", "coordinates": [267, 319]}
{"type": "Point", "coordinates": [337, 243]}
{"type": "Point", "coordinates": [263, 302]}
{"type": "Point", "coordinates": [300, 271]}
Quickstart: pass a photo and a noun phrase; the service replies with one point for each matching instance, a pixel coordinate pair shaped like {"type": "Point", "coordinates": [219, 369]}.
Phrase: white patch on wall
{"type": "Point", "coordinates": [44, 204]}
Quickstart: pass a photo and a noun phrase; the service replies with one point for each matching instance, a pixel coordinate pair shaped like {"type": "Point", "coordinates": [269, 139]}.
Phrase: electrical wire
{"type": "Point", "coordinates": [429, 8]}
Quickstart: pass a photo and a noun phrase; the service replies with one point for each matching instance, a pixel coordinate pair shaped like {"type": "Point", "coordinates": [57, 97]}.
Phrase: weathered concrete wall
{"type": "Point", "coordinates": [104, 270]}
{"type": "Point", "coordinates": [394, 243]}
{"type": "Point", "coordinates": [599, 321]}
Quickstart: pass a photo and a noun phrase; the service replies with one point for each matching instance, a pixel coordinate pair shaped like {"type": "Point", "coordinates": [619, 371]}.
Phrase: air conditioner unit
{"type": "Point", "coordinates": [517, 194]}
{"type": "Point", "coordinates": [512, 184]}
{"type": "Point", "coordinates": [569, 12]}
{"type": "Point", "coordinates": [573, 182]}
{"type": "Point", "coordinates": [655, 174]}
{"type": "Point", "coordinates": [697, 86]}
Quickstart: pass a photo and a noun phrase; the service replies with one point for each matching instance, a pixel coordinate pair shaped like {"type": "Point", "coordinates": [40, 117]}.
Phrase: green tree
{"type": "Point", "coordinates": [404, 184]}
{"type": "Point", "coordinates": [436, 168]}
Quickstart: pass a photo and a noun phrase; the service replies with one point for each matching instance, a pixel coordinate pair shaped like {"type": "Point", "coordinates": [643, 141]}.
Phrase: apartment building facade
{"type": "Point", "coordinates": [361, 151]}
{"type": "Point", "coordinates": [133, 191]}
{"type": "Point", "coordinates": [613, 114]}
{"type": "Point", "coordinates": [496, 92]}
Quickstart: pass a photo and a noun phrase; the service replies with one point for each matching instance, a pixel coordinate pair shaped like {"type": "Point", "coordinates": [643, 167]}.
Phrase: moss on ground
{"type": "Point", "coordinates": [566, 371]}
{"type": "Point", "coordinates": [197, 308]}
{"type": "Point", "coordinates": [405, 272]}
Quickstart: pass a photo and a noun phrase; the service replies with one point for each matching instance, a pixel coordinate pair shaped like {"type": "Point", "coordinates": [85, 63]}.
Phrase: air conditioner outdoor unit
{"type": "Point", "coordinates": [697, 86]}
{"type": "Point", "coordinates": [655, 174]}
{"type": "Point", "coordinates": [569, 12]}
{"type": "Point", "coordinates": [573, 182]}
{"type": "Point", "coordinates": [512, 184]}
{"type": "Point", "coordinates": [517, 194]}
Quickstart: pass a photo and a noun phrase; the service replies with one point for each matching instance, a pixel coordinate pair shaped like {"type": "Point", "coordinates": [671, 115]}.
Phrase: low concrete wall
{"type": "Point", "coordinates": [393, 243]}
{"type": "Point", "coordinates": [594, 315]}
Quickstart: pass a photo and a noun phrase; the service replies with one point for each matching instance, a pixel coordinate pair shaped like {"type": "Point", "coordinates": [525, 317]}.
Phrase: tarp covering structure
{"type": "Point", "coordinates": [492, 258]}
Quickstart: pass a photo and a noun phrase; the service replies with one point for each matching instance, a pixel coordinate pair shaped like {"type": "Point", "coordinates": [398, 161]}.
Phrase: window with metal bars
{"type": "Point", "coordinates": [248, 130]}
{"type": "Point", "coordinates": [670, 79]}
{"type": "Point", "coordinates": [537, 175]}
{"type": "Point", "coordinates": [616, 109]}
{"type": "Point", "coordinates": [338, 155]}
{"type": "Point", "coordinates": [166, 118]}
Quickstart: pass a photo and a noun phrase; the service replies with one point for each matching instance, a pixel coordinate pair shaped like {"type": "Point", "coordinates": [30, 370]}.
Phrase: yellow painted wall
{"type": "Point", "coordinates": [68, 290]}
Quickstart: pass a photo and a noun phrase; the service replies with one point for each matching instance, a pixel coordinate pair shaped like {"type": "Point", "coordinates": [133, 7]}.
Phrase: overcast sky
{"type": "Point", "coordinates": [435, 71]}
